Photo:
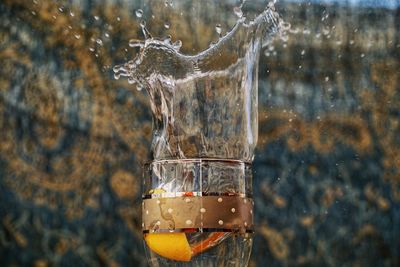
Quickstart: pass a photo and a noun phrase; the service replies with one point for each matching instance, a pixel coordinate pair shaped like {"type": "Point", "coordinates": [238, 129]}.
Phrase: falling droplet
{"type": "Point", "coordinates": [218, 29]}
{"type": "Point", "coordinates": [167, 25]}
{"type": "Point", "coordinates": [61, 9]}
{"type": "Point", "coordinates": [72, 14]}
{"type": "Point", "coordinates": [91, 49]}
{"type": "Point", "coordinates": [139, 13]}
{"type": "Point", "coordinates": [96, 17]}
{"type": "Point", "coordinates": [107, 35]}
{"type": "Point", "coordinates": [77, 36]}
{"type": "Point", "coordinates": [99, 41]}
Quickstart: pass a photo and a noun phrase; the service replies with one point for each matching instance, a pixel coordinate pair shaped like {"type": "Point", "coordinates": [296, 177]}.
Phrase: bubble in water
{"type": "Point", "coordinates": [218, 28]}
{"type": "Point", "coordinates": [167, 25]}
{"type": "Point", "coordinates": [139, 13]}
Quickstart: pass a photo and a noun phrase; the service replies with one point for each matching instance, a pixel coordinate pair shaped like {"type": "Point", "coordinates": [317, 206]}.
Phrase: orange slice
{"type": "Point", "coordinates": [173, 246]}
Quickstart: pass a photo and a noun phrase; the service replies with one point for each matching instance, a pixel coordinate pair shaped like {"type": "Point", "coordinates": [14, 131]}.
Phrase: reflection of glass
{"type": "Point", "coordinates": [197, 208]}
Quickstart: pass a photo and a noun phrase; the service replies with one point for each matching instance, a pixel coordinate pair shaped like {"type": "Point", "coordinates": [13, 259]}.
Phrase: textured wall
{"type": "Point", "coordinates": [72, 139]}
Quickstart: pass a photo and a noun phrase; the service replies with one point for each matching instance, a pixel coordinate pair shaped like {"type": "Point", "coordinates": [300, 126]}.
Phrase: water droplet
{"type": "Point", "coordinates": [107, 35]}
{"type": "Point", "coordinates": [143, 23]}
{"type": "Point", "coordinates": [91, 49]}
{"type": "Point", "coordinates": [131, 80]}
{"type": "Point", "coordinates": [220, 222]}
{"type": "Point", "coordinates": [139, 13]}
{"type": "Point", "coordinates": [167, 25]}
{"type": "Point", "coordinates": [219, 200]}
{"type": "Point", "coordinates": [218, 29]}
{"type": "Point", "coordinates": [61, 9]}
{"type": "Point", "coordinates": [33, 13]}
{"type": "Point", "coordinates": [96, 17]}
{"type": "Point", "coordinates": [139, 87]}
{"type": "Point", "coordinates": [72, 14]}
{"type": "Point", "coordinates": [99, 41]}
{"type": "Point", "coordinates": [233, 210]}
{"type": "Point", "coordinates": [188, 222]}
{"type": "Point", "coordinates": [303, 52]}
{"type": "Point", "coordinates": [77, 36]}
{"type": "Point", "coordinates": [118, 19]}
{"type": "Point", "coordinates": [178, 44]}
{"type": "Point", "coordinates": [202, 210]}
{"type": "Point", "coordinates": [238, 11]}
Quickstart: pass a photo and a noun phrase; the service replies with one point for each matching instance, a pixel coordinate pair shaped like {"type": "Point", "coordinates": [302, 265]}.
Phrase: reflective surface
{"type": "Point", "coordinates": [326, 171]}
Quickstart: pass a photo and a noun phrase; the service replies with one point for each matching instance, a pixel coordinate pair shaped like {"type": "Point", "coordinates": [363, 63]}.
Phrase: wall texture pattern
{"type": "Point", "coordinates": [72, 139]}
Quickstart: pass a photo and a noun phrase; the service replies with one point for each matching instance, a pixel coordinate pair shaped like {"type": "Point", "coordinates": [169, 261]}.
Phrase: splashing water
{"type": "Point", "coordinates": [204, 106]}
{"type": "Point", "coordinates": [200, 103]}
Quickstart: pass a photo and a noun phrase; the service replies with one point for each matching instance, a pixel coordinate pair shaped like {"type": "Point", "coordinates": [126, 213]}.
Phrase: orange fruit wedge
{"type": "Point", "coordinates": [173, 246]}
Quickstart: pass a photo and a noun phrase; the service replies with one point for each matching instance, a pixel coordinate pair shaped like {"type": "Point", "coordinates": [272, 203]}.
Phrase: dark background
{"type": "Point", "coordinates": [73, 139]}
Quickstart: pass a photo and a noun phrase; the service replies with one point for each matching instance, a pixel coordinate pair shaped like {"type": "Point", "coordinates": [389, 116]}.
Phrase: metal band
{"type": "Point", "coordinates": [195, 213]}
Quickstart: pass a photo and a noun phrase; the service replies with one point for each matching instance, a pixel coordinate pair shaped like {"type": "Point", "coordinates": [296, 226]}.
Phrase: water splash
{"type": "Point", "coordinates": [203, 104]}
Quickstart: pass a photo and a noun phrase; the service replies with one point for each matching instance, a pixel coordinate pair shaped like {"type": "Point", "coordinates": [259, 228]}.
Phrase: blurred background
{"type": "Point", "coordinates": [73, 139]}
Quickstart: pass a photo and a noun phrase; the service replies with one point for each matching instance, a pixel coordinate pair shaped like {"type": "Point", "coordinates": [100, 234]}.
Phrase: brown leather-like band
{"type": "Point", "coordinates": [194, 213]}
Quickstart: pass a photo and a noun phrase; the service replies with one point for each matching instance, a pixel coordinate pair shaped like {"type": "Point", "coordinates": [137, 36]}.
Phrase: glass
{"type": "Point", "coordinates": [197, 198]}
